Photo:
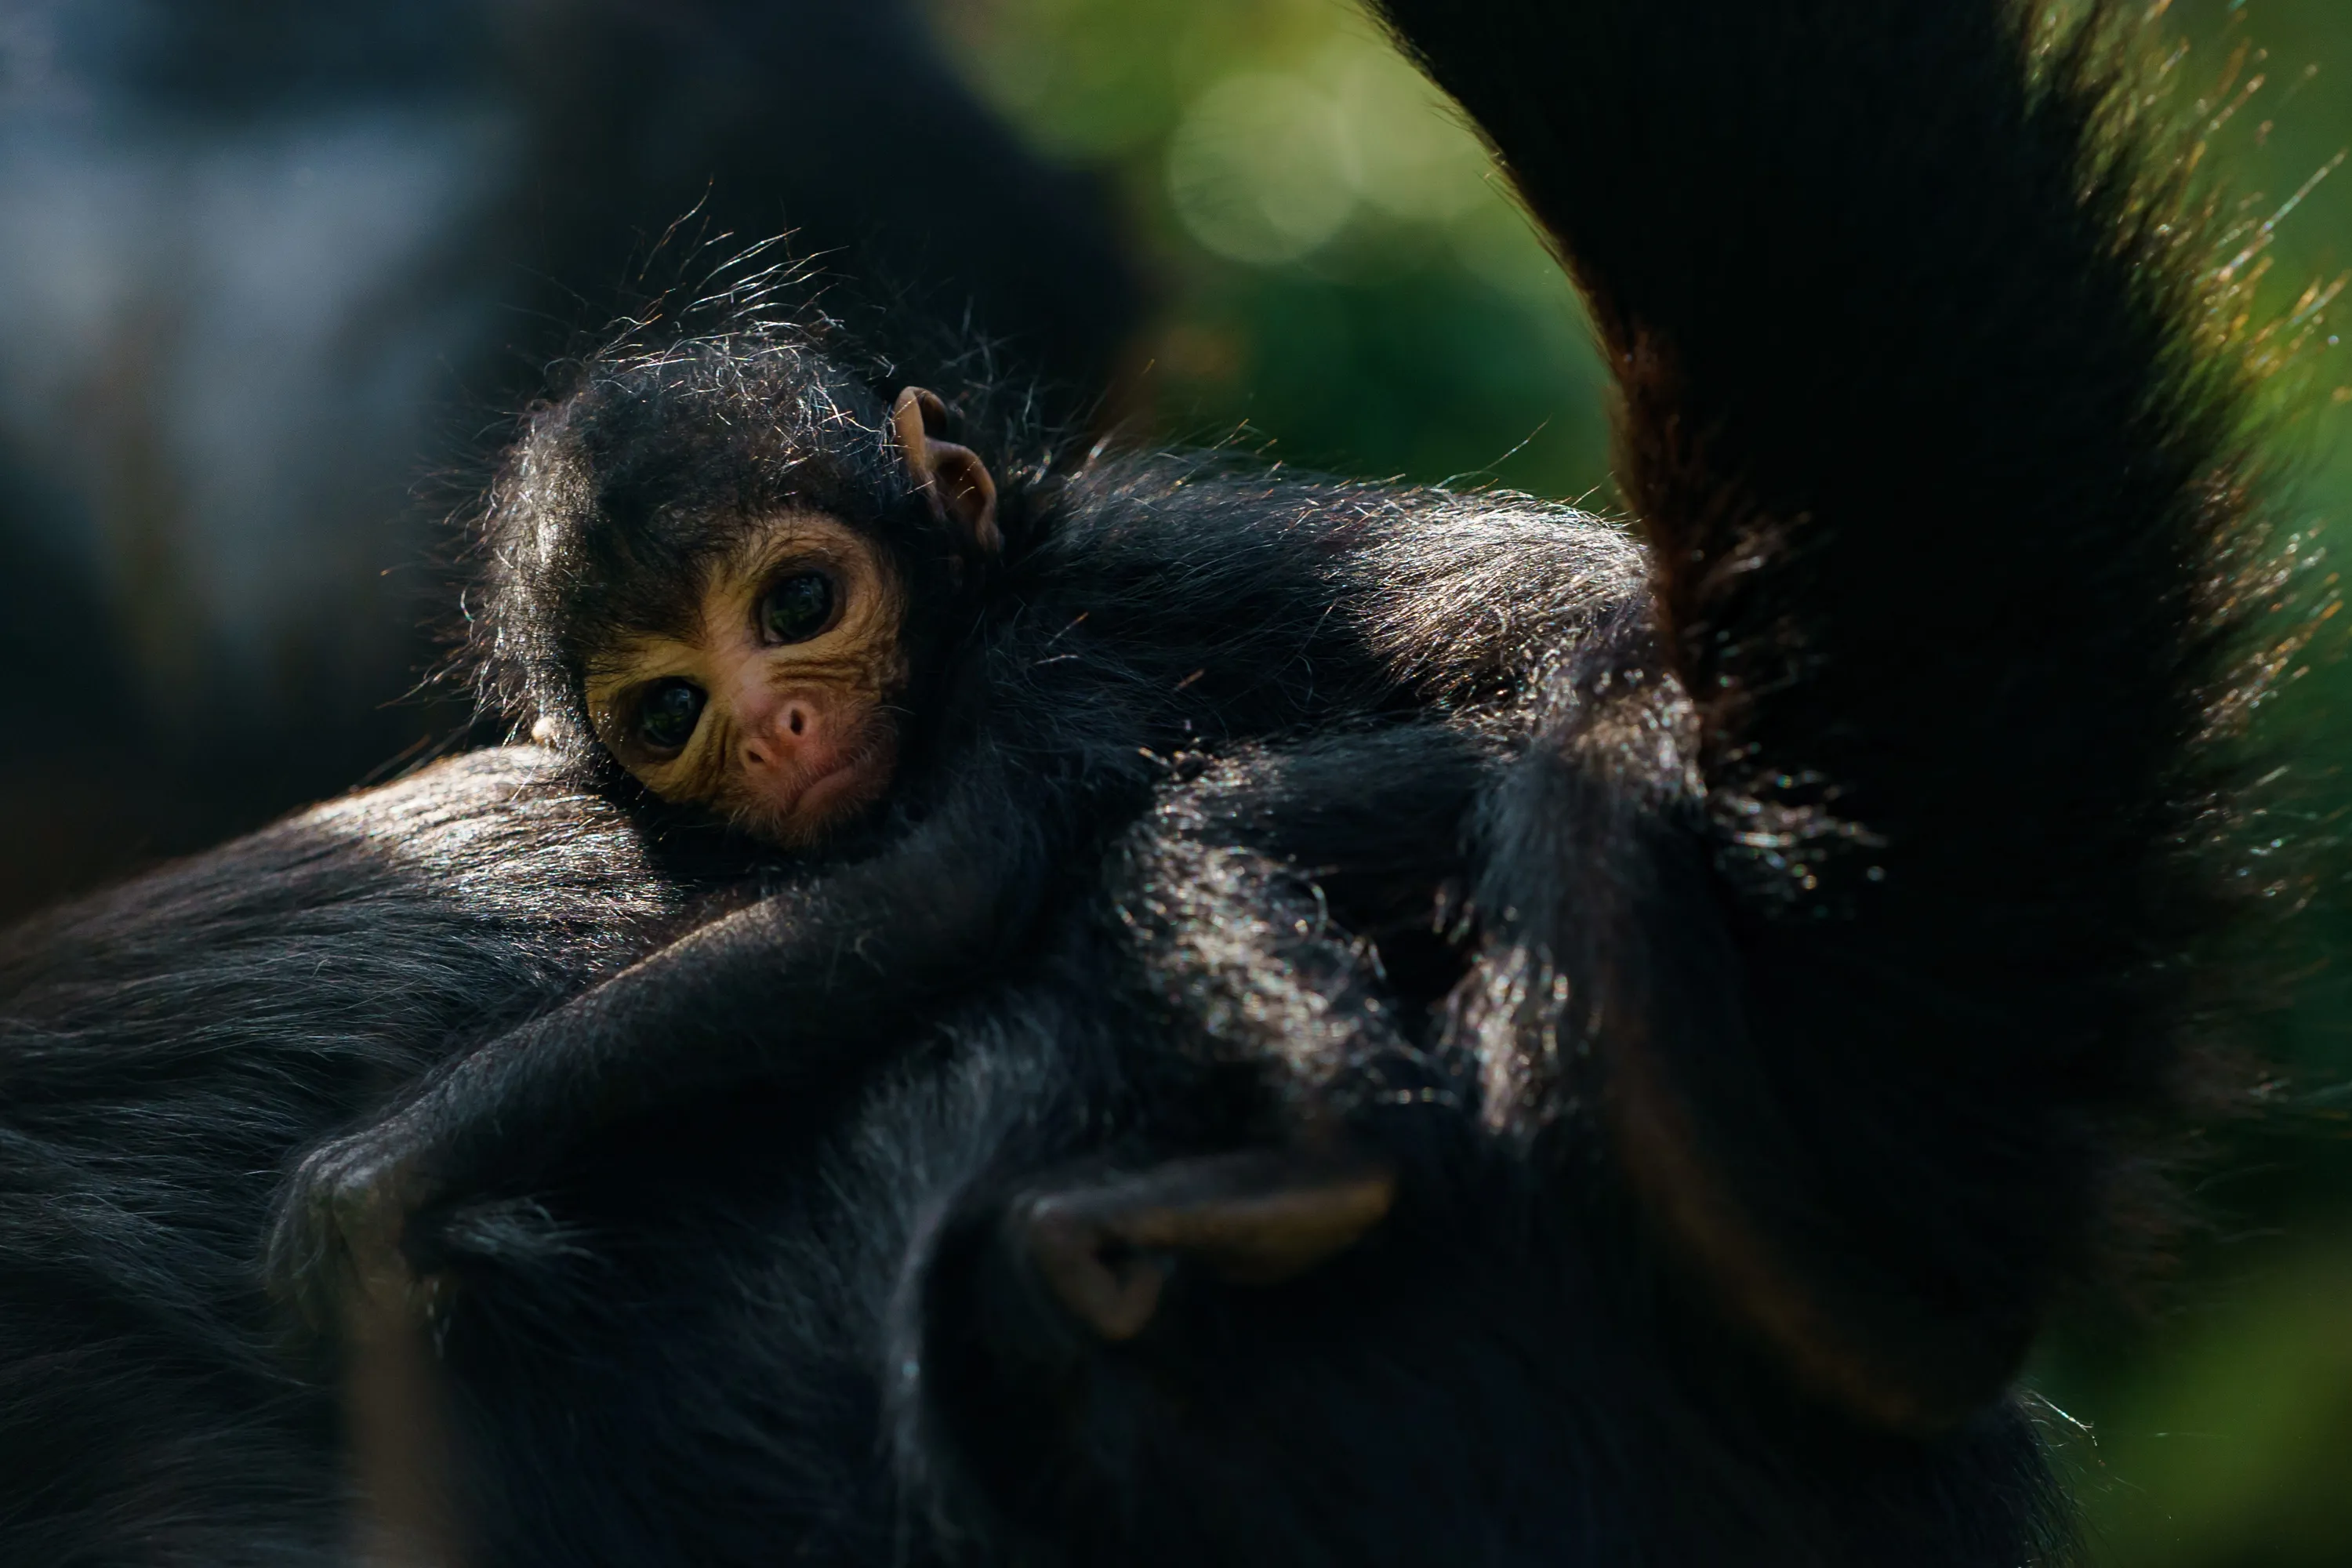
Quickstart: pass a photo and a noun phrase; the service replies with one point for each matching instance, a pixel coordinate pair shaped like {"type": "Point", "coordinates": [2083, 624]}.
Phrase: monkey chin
{"type": "Point", "coordinates": [826, 803]}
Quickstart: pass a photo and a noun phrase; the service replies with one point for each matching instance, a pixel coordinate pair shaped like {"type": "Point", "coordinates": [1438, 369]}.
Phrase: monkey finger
{"type": "Point", "coordinates": [338, 1230]}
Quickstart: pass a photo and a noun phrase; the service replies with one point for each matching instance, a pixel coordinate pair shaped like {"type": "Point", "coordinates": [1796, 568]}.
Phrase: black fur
{"type": "Point", "coordinates": [1129, 621]}
{"type": "Point", "coordinates": [1758, 979]}
{"type": "Point", "coordinates": [1938, 494]}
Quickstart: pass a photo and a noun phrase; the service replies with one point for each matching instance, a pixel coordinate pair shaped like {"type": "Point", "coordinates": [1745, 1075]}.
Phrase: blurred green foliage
{"type": "Point", "coordinates": [1343, 285]}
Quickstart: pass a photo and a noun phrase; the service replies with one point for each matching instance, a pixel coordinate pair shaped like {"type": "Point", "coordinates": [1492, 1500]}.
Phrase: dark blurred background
{"type": "Point", "coordinates": [271, 272]}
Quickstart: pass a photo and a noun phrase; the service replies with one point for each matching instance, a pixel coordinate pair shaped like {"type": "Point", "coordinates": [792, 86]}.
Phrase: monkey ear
{"type": "Point", "coordinates": [961, 491]}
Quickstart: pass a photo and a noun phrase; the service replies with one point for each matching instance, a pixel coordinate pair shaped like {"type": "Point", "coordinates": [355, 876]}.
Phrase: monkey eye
{"type": "Point", "coordinates": [668, 713]}
{"type": "Point", "coordinates": [797, 607]}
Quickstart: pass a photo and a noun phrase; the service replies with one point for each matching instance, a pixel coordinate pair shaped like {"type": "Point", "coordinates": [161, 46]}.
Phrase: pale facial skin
{"type": "Point", "coordinates": [779, 711]}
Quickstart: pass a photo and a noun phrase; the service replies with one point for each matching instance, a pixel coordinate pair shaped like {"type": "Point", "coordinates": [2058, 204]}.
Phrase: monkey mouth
{"type": "Point", "coordinates": [840, 789]}
{"type": "Point", "coordinates": [829, 796]}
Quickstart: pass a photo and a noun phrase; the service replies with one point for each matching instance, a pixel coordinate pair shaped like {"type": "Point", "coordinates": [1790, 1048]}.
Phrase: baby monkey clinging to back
{"type": "Point", "coordinates": [733, 607]}
{"type": "Point", "coordinates": [754, 578]}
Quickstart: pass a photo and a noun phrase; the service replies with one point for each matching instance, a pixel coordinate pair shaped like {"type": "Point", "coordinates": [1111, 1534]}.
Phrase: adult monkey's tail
{"type": "Point", "coordinates": [1937, 484]}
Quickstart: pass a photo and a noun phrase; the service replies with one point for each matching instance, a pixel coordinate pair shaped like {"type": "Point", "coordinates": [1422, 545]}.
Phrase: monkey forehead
{"type": "Point", "coordinates": [772, 539]}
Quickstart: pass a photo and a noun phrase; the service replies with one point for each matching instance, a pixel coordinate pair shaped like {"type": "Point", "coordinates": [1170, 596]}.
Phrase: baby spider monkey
{"type": "Point", "coordinates": [749, 579]}
{"type": "Point", "coordinates": [731, 571]}
{"type": "Point", "coordinates": [774, 693]}
{"type": "Point", "coordinates": [728, 572]}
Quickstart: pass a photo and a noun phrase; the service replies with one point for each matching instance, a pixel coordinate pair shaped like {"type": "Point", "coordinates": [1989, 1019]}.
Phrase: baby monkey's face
{"type": "Point", "coordinates": [778, 705]}
{"type": "Point", "coordinates": [778, 711]}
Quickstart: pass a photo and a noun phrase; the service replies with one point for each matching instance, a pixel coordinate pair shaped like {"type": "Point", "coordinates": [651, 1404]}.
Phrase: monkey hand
{"type": "Point", "coordinates": [340, 1226]}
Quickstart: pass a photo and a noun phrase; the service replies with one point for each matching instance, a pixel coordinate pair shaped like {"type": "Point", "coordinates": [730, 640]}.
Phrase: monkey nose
{"type": "Point", "coordinates": [781, 736]}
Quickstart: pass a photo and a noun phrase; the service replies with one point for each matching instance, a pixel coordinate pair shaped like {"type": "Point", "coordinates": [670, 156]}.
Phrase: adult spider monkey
{"type": "Point", "coordinates": [1829, 905]}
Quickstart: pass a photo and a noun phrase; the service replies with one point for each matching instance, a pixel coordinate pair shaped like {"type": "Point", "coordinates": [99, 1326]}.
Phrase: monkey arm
{"type": "Point", "coordinates": [1935, 484]}
{"type": "Point", "coordinates": [800, 988]}
{"type": "Point", "coordinates": [1285, 897]}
